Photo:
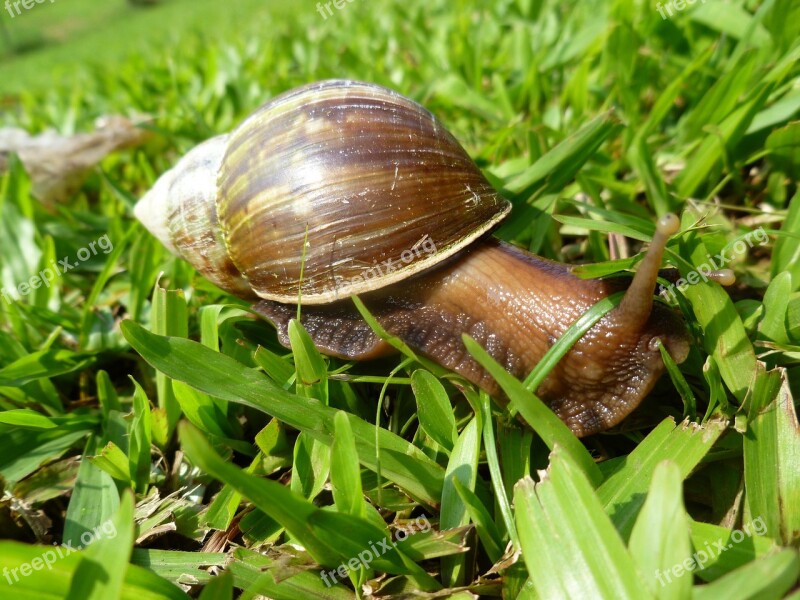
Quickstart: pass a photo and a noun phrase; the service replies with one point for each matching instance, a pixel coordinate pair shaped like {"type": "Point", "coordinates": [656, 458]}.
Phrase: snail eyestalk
{"type": "Point", "coordinates": [638, 300]}
{"type": "Point", "coordinates": [724, 277]}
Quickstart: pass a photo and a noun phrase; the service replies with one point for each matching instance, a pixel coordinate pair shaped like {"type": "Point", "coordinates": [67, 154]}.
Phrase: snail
{"type": "Point", "coordinates": [340, 188]}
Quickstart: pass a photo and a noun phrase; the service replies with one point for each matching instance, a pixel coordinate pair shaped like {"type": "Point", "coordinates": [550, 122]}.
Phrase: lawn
{"type": "Point", "coordinates": [52, 41]}
{"type": "Point", "coordinates": [159, 442]}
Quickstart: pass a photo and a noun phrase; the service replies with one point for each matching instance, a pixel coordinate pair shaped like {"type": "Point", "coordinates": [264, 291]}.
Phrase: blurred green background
{"type": "Point", "coordinates": [50, 41]}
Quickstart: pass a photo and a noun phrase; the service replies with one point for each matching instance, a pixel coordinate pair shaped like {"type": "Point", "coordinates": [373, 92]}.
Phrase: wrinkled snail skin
{"type": "Point", "coordinates": [515, 305]}
{"type": "Point", "coordinates": [333, 178]}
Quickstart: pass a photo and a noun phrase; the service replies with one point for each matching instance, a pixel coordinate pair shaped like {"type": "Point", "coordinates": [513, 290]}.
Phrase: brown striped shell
{"type": "Point", "coordinates": [372, 183]}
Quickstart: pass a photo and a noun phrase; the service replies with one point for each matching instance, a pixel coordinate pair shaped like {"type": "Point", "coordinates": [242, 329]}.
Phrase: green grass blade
{"type": "Point", "coordinates": [114, 462]}
{"type": "Point", "coordinates": [596, 225]}
{"type": "Point", "coordinates": [100, 282]}
{"type": "Point", "coordinates": [23, 451]}
{"type": "Point", "coordinates": [312, 372]}
{"type": "Point", "coordinates": [541, 419]}
{"type": "Point", "coordinates": [680, 383]}
{"type": "Point", "coordinates": [728, 550]}
{"type": "Point", "coordinates": [43, 364]}
{"type": "Point", "coordinates": [276, 500]}
{"type": "Point", "coordinates": [206, 414]}
{"type": "Point", "coordinates": [253, 572]}
{"type": "Point", "coordinates": [556, 168]}
{"type": "Point", "coordinates": [169, 318]}
{"type": "Point", "coordinates": [101, 573]}
{"type": "Point", "coordinates": [221, 376]}
{"type": "Point", "coordinates": [776, 303]}
{"type": "Point", "coordinates": [279, 370]}
{"type": "Point", "coordinates": [140, 439]}
{"type": "Point", "coordinates": [479, 514]}
{"type": "Point", "coordinates": [503, 480]}
{"type": "Point", "coordinates": [786, 254]}
{"type": "Point", "coordinates": [311, 465]}
{"type": "Point", "coordinates": [56, 570]}
{"type": "Point", "coordinates": [348, 495]}
{"type": "Point", "coordinates": [772, 456]}
{"type": "Point", "coordinates": [219, 588]}
{"type": "Point", "coordinates": [575, 331]}
{"type": "Point", "coordinates": [724, 335]}
{"type": "Point", "coordinates": [329, 537]}
{"type": "Point", "coordinates": [433, 407]}
{"type": "Point", "coordinates": [222, 510]}
{"type": "Point", "coordinates": [624, 490]}
{"type": "Point", "coordinates": [562, 518]}
{"type": "Point", "coordinates": [94, 498]}
{"type": "Point", "coordinates": [463, 466]}
{"type": "Point", "coordinates": [395, 341]}
{"type": "Point", "coordinates": [660, 537]}
{"type": "Point", "coordinates": [767, 577]}
{"type": "Point", "coordinates": [710, 153]}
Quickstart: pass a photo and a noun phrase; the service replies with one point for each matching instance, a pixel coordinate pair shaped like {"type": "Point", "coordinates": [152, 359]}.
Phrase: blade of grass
{"type": "Point", "coordinates": [101, 573]}
{"type": "Point", "coordinates": [331, 538]}
{"type": "Point", "coordinates": [94, 498]}
{"type": "Point", "coordinates": [495, 472]}
{"type": "Point", "coordinates": [348, 495]}
{"type": "Point", "coordinates": [558, 167]}
{"type": "Point", "coordinates": [433, 407]}
{"type": "Point", "coordinates": [624, 490]}
{"type": "Point", "coordinates": [772, 456]}
{"type": "Point", "coordinates": [550, 428]}
{"type": "Point", "coordinates": [724, 336]}
{"type": "Point", "coordinates": [169, 317]}
{"type": "Point", "coordinates": [660, 537]}
{"type": "Point", "coordinates": [575, 331]}
{"type": "Point", "coordinates": [221, 376]}
{"type": "Point", "coordinates": [569, 544]}
{"type": "Point", "coordinates": [767, 577]}
{"type": "Point", "coordinates": [463, 466]}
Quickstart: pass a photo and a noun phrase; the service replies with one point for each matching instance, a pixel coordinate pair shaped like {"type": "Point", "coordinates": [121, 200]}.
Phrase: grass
{"type": "Point", "coordinates": [49, 42]}
{"type": "Point", "coordinates": [149, 413]}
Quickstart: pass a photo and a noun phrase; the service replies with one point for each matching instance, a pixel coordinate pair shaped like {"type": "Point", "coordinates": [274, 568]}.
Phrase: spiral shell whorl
{"type": "Point", "coordinates": [181, 212]}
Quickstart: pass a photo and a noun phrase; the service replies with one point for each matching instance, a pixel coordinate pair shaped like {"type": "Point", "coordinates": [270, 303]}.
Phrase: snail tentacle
{"type": "Point", "coordinates": [637, 303]}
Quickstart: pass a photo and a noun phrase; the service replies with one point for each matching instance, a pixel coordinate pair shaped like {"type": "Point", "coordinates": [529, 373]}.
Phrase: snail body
{"type": "Point", "coordinates": [342, 188]}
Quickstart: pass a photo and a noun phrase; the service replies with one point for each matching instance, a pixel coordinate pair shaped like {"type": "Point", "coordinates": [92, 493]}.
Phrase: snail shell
{"type": "Point", "coordinates": [356, 172]}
